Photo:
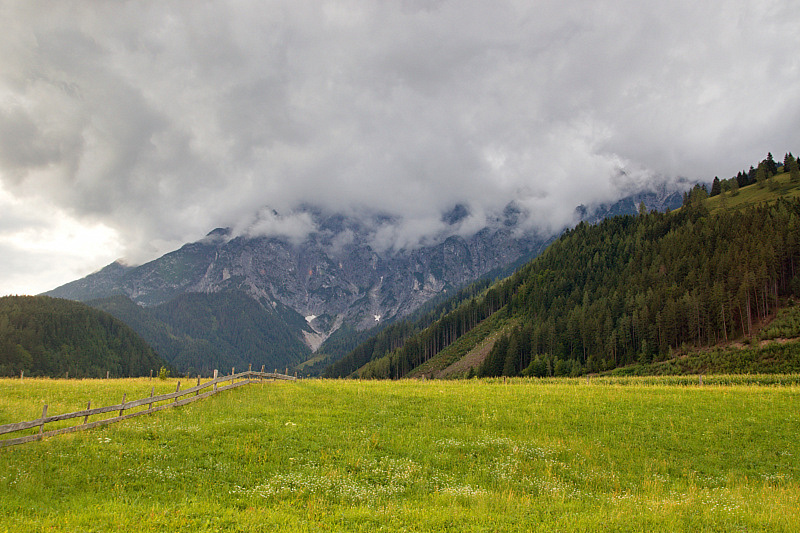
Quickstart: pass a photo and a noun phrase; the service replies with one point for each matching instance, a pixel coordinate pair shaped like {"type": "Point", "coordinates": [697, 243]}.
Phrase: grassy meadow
{"type": "Point", "coordinates": [780, 184]}
{"type": "Point", "coordinates": [479, 455]}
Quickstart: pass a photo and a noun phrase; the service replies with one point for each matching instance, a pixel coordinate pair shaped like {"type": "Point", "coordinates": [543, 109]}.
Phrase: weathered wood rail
{"type": "Point", "coordinates": [215, 385]}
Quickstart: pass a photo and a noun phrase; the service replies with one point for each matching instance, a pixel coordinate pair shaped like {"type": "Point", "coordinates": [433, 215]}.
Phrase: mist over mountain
{"type": "Point", "coordinates": [343, 271]}
{"type": "Point", "coordinates": [679, 292]}
{"type": "Point", "coordinates": [308, 273]}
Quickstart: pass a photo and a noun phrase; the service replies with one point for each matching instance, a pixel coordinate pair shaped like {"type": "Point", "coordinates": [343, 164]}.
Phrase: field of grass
{"type": "Point", "coordinates": [24, 400]}
{"type": "Point", "coordinates": [478, 455]}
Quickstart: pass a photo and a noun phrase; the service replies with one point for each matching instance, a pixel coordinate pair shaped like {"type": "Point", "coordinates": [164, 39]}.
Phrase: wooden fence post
{"type": "Point", "coordinates": [67, 374]}
{"type": "Point", "coordinates": [41, 427]}
{"type": "Point", "coordinates": [198, 384]}
{"type": "Point", "coordinates": [286, 372]}
{"type": "Point", "coordinates": [21, 374]}
{"type": "Point", "coordinates": [701, 380]}
{"type": "Point", "coordinates": [215, 380]}
{"type": "Point", "coordinates": [122, 409]}
{"type": "Point", "coordinates": [176, 390]}
{"type": "Point", "coordinates": [88, 406]}
{"type": "Point", "coordinates": [250, 367]}
{"type": "Point", "coordinates": [108, 372]}
{"type": "Point", "coordinates": [151, 374]}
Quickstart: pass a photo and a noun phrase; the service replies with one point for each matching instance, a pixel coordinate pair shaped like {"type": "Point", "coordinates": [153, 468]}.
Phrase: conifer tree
{"type": "Point", "coordinates": [715, 187]}
{"type": "Point", "coordinates": [761, 174]}
{"type": "Point", "coordinates": [741, 179]}
{"type": "Point", "coordinates": [772, 167]}
{"type": "Point", "coordinates": [511, 356]}
{"type": "Point", "coordinates": [751, 175]}
{"type": "Point", "coordinates": [793, 169]}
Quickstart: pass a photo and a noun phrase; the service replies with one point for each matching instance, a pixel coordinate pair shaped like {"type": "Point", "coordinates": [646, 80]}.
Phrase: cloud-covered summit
{"type": "Point", "coordinates": [158, 121]}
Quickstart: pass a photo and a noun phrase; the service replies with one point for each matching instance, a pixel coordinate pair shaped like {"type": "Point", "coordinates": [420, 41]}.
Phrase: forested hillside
{"type": "Point", "coordinates": [45, 336]}
{"type": "Point", "coordinates": [198, 333]}
{"type": "Point", "coordinates": [634, 288]}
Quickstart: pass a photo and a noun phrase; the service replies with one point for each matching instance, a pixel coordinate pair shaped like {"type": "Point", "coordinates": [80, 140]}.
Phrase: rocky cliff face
{"type": "Point", "coordinates": [333, 277]}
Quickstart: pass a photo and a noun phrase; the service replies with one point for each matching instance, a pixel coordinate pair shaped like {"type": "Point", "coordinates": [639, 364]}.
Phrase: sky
{"type": "Point", "coordinates": [130, 128]}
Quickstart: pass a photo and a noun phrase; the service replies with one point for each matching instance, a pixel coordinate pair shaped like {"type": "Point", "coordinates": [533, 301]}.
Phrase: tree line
{"type": "Point", "coordinates": [760, 176]}
{"type": "Point", "coordinates": [43, 336]}
{"type": "Point", "coordinates": [639, 289]}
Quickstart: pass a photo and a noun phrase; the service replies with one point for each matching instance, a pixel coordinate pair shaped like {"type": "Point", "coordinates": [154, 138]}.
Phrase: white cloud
{"type": "Point", "coordinates": [43, 247]}
{"type": "Point", "coordinates": [160, 121]}
{"type": "Point", "coordinates": [267, 222]}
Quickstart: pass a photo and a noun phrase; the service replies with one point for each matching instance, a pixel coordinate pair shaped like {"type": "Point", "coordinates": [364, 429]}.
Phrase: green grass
{"type": "Point", "coordinates": [315, 360]}
{"type": "Point", "coordinates": [753, 194]}
{"type": "Point", "coordinates": [24, 400]}
{"type": "Point", "coordinates": [475, 455]}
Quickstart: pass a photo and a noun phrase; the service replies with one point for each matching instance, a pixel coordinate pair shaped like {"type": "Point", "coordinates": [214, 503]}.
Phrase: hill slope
{"type": "Point", "coordinates": [395, 335]}
{"type": "Point", "coordinates": [45, 336]}
{"type": "Point", "coordinates": [198, 333]}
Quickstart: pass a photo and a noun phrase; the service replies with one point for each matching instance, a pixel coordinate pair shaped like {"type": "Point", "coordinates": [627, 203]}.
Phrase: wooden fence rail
{"type": "Point", "coordinates": [246, 377]}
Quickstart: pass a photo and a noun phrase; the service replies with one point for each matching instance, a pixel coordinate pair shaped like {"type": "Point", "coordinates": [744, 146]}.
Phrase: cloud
{"type": "Point", "coordinates": [267, 222]}
{"type": "Point", "coordinates": [42, 247]}
{"type": "Point", "coordinates": [163, 120]}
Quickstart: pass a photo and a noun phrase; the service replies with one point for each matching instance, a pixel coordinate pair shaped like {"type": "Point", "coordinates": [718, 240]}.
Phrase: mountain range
{"type": "Point", "coordinates": [232, 299]}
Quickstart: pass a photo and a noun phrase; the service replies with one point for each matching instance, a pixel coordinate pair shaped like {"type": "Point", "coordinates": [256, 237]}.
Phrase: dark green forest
{"type": "Point", "coordinates": [630, 290]}
{"type": "Point", "coordinates": [45, 336]}
{"type": "Point", "coordinates": [634, 290]}
{"type": "Point", "coordinates": [198, 333]}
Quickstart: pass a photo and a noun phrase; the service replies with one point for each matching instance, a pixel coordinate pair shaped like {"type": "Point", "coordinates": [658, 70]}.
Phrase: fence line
{"type": "Point", "coordinates": [247, 377]}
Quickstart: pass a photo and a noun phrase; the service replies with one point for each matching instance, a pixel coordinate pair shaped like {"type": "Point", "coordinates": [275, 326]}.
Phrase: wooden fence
{"type": "Point", "coordinates": [173, 399]}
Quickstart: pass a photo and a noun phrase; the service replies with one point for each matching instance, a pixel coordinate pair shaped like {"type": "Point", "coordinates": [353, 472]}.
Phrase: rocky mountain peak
{"type": "Point", "coordinates": [343, 271]}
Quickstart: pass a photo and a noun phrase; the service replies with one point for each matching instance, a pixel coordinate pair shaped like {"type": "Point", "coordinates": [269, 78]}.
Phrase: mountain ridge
{"type": "Point", "coordinates": [334, 276]}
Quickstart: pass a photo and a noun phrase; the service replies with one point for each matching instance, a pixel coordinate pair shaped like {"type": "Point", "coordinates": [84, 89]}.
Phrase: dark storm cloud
{"type": "Point", "coordinates": [164, 120]}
